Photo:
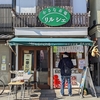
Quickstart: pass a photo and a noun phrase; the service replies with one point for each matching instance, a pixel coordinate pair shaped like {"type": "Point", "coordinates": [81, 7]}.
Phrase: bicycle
{"type": "Point", "coordinates": [2, 87]}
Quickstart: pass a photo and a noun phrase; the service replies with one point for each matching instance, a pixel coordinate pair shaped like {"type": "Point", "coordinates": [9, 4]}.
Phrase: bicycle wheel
{"type": "Point", "coordinates": [2, 87]}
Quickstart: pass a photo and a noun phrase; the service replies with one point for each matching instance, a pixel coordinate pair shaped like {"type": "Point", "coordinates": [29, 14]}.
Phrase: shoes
{"type": "Point", "coordinates": [61, 95]}
{"type": "Point", "coordinates": [70, 95]}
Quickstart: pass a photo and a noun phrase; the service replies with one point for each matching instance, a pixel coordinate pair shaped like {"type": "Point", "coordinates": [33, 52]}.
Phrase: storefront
{"type": "Point", "coordinates": [42, 56]}
{"type": "Point", "coordinates": [40, 48]}
{"type": "Point", "coordinates": [78, 56]}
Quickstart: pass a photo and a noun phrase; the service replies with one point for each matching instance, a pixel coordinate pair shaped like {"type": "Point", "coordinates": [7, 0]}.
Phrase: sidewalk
{"type": "Point", "coordinates": [49, 95]}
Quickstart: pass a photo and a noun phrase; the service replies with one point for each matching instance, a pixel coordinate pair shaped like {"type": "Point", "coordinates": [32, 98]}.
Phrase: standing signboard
{"type": "Point", "coordinates": [86, 77]}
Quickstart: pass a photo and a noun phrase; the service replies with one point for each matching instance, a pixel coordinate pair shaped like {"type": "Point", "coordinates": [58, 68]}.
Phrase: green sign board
{"type": "Point", "coordinates": [54, 16]}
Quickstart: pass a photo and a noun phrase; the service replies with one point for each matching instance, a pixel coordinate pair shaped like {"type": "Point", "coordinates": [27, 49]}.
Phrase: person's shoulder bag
{"type": "Point", "coordinates": [67, 70]}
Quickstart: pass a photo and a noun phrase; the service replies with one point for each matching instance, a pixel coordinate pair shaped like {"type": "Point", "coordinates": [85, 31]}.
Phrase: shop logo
{"type": "Point", "coordinates": [54, 16]}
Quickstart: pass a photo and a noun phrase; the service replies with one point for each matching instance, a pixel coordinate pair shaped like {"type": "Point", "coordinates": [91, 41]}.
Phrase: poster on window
{"type": "Point", "coordinates": [27, 62]}
{"type": "Point", "coordinates": [3, 59]}
{"type": "Point", "coordinates": [57, 79]}
{"type": "Point", "coordinates": [3, 67]}
{"type": "Point", "coordinates": [81, 63]}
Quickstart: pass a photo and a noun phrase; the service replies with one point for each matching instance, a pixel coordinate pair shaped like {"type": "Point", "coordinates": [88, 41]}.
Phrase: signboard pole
{"type": "Point", "coordinates": [83, 81]}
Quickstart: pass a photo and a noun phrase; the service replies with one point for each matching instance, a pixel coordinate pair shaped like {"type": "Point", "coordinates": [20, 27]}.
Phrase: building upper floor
{"type": "Point", "coordinates": [29, 6]}
{"type": "Point", "coordinates": [24, 13]}
{"type": "Point", "coordinates": [94, 7]}
{"type": "Point", "coordinates": [94, 23]}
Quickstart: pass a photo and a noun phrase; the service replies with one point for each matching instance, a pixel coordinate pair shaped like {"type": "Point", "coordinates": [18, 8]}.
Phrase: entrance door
{"type": "Point", "coordinates": [37, 60]}
{"type": "Point", "coordinates": [42, 63]}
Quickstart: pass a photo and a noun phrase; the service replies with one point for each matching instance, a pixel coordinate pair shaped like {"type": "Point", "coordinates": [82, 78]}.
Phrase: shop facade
{"type": "Point", "coordinates": [42, 36]}
{"type": "Point", "coordinates": [41, 54]}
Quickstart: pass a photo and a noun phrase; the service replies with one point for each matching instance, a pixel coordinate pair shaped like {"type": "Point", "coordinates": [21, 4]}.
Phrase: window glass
{"type": "Point", "coordinates": [42, 66]}
{"type": "Point", "coordinates": [29, 6]}
{"type": "Point", "coordinates": [5, 1]}
{"type": "Point", "coordinates": [54, 2]}
{"type": "Point", "coordinates": [79, 6]}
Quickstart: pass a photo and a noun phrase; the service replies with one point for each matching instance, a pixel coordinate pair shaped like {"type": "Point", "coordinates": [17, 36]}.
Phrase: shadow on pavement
{"type": "Point", "coordinates": [98, 95]}
{"type": "Point", "coordinates": [47, 95]}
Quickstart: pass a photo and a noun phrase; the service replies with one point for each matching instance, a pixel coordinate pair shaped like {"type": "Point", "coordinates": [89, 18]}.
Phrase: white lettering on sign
{"type": "Point", "coordinates": [77, 48]}
{"type": "Point", "coordinates": [54, 10]}
{"type": "Point", "coordinates": [56, 19]}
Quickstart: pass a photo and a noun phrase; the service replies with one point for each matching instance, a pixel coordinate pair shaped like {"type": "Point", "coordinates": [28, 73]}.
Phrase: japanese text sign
{"type": "Point", "coordinates": [54, 16]}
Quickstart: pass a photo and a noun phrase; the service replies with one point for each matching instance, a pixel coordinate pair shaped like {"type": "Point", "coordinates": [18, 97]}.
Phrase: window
{"type": "Point", "coordinates": [25, 6]}
{"type": "Point", "coordinates": [5, 1]}
{"type": "Point", "coordinates": [45, 2]}
{"type": "Point", "coordinates": [62, 2]}
{"type": "Point", "coordinates": [54, 2]}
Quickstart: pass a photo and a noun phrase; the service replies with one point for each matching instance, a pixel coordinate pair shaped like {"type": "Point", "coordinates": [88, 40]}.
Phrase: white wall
{"type": "Point", "coordinates": [79, 6]}
{"type": "Point", "coordinates": [5, 1]}
{"type": "Point", "coordinates": [26, 6]}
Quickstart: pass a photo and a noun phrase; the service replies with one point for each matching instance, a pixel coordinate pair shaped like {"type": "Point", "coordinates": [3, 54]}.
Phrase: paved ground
{"type": "Point", "coordinates": [48, 95]}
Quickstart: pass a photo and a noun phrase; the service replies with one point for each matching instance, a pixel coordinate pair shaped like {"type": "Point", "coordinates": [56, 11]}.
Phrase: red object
{"type": "Point", "coordinates": [56, 82]}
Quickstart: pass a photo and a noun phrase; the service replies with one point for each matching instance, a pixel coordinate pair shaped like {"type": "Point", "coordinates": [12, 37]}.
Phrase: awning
{"type": "Point", "coordinates": [50, 41]}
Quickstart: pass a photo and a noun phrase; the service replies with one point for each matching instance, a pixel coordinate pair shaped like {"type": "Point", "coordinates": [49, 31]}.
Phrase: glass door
{"type": "Point", "coordinates": [42, 68]}
{"type": "Point", "coordinates": [36, 59]}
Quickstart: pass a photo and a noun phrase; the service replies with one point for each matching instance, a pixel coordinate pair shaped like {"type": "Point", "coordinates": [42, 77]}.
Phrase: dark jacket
{"type": "Point", "coordinates": [69, 64]}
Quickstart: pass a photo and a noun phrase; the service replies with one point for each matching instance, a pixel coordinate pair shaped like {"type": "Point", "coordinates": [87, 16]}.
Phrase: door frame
{"type": "Point", "coordinates": [34, 48]}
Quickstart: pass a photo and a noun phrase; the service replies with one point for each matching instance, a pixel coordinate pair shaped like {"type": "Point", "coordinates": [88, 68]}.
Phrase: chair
{"type": "Point", "coordinates": [11, 93]}
{"type": "Point", "coordinates": [31, 85]}
{"type": "Point", "coordinates": [34, 84]}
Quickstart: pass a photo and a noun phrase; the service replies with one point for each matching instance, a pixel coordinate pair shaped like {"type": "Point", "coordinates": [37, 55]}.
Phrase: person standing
{"type": "Point", "coordinates": [65, 75]}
